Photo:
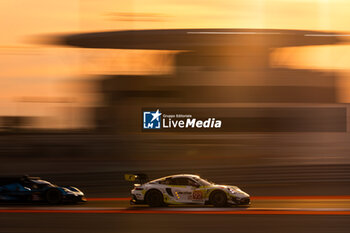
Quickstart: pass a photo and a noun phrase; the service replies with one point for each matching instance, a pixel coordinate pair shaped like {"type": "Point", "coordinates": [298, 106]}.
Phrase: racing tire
{"type": "Point", "coordinates": [154, 198]}
{"type": "Point", "coordinates": [218, 199]}
{"type": "Point", "coordinates": [53, 196]}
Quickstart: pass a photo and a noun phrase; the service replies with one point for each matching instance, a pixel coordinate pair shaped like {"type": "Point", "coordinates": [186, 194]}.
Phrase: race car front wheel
{"type": "Point", "coordinates": [53, 196]}
{"type": "Point", "coordinates": [218, 199]}
{"type": "Point", "coordinates": [154, 198]}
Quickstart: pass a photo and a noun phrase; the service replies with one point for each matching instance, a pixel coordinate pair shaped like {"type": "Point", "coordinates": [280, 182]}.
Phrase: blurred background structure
{"type": "Point", "coordinates": [75, 76]}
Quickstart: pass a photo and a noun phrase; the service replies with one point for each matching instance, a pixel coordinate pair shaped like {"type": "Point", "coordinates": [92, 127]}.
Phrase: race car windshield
{"type": "Point", "coordinates": [203, 182]}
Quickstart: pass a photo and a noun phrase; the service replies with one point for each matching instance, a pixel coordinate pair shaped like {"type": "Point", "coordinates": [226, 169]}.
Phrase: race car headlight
{"type": "Point", "coordinates": [75, 191]}
{"type": "Point", "coordinates": [231, 190]}
{"type": "Point", "coordinates": [67, 191]}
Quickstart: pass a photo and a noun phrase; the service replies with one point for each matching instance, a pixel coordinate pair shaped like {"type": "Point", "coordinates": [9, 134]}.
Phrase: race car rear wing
{"type": "Point", "coordinates": [140, 178]}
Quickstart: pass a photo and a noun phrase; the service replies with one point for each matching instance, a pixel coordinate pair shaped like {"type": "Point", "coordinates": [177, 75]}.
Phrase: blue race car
{"type": "Point", "coordinates": [34, 189]}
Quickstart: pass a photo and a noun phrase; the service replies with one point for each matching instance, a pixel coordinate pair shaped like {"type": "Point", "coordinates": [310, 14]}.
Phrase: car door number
{"type": "Point", "coordinates": [197, 195]}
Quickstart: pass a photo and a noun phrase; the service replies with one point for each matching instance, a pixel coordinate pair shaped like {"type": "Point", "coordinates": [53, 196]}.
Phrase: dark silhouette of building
{"type": "Point", "coordinates": [226, 71]}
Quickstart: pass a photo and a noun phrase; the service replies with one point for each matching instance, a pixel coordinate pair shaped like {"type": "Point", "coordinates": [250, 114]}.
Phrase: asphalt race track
{"type": "Point", "coordinates": [293, 201]}
{"type": "Point", "coordinates": [266, 214]}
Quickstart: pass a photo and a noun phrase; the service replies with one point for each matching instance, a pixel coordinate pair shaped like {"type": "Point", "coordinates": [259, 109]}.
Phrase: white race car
{"type": "Point", "coordinates": [184, 189]}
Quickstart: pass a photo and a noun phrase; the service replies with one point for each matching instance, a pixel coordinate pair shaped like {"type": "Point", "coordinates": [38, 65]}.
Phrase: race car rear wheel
{"type": "Point", "coordinates": [218, 199]}
{"type": "Point", "coordinates": [53, 196]}
{"type": "Point", "coordinates": [154, 198]}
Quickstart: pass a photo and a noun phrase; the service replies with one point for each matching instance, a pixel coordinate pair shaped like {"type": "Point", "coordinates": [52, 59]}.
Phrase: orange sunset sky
{"type": "Point", "coordinates": [53, 74]}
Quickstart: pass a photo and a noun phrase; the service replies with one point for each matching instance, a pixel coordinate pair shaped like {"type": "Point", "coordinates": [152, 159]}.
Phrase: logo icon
{"type": "Point", "coordinates": [151, 120]}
